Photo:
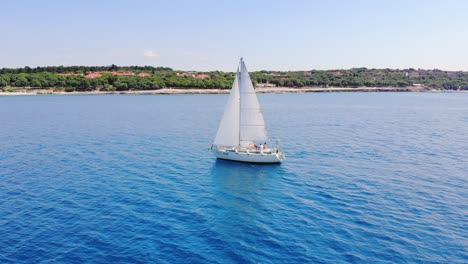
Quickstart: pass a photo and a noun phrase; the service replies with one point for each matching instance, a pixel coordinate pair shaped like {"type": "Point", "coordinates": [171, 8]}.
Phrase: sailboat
{"type": "Point", "coordinates": [242, 134]}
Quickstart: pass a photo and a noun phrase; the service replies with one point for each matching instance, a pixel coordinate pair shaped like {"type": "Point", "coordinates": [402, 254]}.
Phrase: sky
{"type": "Point", "coordinates": [208, 35]}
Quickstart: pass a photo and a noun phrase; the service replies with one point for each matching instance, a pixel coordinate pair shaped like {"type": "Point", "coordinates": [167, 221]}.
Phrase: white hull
{"type": "Point", "coordinates": [249, 156]}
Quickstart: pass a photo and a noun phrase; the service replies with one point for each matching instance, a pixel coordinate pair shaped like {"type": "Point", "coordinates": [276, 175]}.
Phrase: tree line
{"type": "Point", "coordinates": [363, 77]}
{"type": "Point", "coordinates": [83, 69]}
{"type": "Point", "coordinates": [53, 77]}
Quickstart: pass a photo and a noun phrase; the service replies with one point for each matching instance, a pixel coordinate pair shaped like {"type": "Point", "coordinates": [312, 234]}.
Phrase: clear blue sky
{"type": "Point", "coordinates": [212, 35]}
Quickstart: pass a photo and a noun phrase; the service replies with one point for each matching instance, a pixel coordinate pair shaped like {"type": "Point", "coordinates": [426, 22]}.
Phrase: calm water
{"type": "Point", "coordinates": [370, 177]}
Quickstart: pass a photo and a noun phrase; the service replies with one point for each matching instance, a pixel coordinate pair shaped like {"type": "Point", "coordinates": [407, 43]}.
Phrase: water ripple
{"type": "Point", "coordinates": [369, 178]}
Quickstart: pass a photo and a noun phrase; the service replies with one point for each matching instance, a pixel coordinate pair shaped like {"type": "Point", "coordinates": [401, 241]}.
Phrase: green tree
{"type": "Point", "coordinates": [35, 83]}
{"type": "Point", "coordinates": [121, 85]}
{"type": "Point", "coordinates": [3, 82]}
{"type": "Point", "coordinates": [21, 81]}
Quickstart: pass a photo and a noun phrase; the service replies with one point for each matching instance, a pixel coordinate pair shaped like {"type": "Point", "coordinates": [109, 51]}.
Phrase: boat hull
{"type": "Point", "coordinates": [249, 157]}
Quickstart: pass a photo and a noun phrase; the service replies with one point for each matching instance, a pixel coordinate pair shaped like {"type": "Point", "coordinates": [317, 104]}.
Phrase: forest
{"type": "Point", "coordinates": [124, 78]}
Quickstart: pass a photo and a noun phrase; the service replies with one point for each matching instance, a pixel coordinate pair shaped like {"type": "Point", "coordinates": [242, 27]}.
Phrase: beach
{"type": "Point", "coordinates": [225, 91]}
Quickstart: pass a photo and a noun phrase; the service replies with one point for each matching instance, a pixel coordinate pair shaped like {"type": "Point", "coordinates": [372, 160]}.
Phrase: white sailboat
{"type": "Point", "coordinates": [242, 135]}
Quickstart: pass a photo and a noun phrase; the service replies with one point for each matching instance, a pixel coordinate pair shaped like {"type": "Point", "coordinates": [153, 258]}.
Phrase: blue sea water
{"type": "Point", "coordinates": [369, 178]}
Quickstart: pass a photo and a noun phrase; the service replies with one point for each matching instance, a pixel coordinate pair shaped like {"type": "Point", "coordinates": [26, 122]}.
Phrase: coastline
{"type": "Point", "coordinates": [225, 91]}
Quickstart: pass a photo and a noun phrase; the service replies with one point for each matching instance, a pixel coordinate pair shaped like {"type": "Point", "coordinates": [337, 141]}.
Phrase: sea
{"type": "Point", "coordinates": [368, 178]}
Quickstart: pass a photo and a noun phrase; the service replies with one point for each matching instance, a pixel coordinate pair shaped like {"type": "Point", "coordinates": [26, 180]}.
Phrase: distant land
{"type": "Point", "coordinates": [148, 79]}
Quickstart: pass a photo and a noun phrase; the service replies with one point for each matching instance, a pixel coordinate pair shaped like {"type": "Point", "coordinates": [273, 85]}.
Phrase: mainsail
{"type": "Point", "coordinates": [252, 124]}
{"type": "Point", "coordinates": [242, 123]}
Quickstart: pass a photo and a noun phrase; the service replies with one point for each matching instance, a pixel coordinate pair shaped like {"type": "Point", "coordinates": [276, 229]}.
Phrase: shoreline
{"type": "Point", "coordinates": [226, 91]}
